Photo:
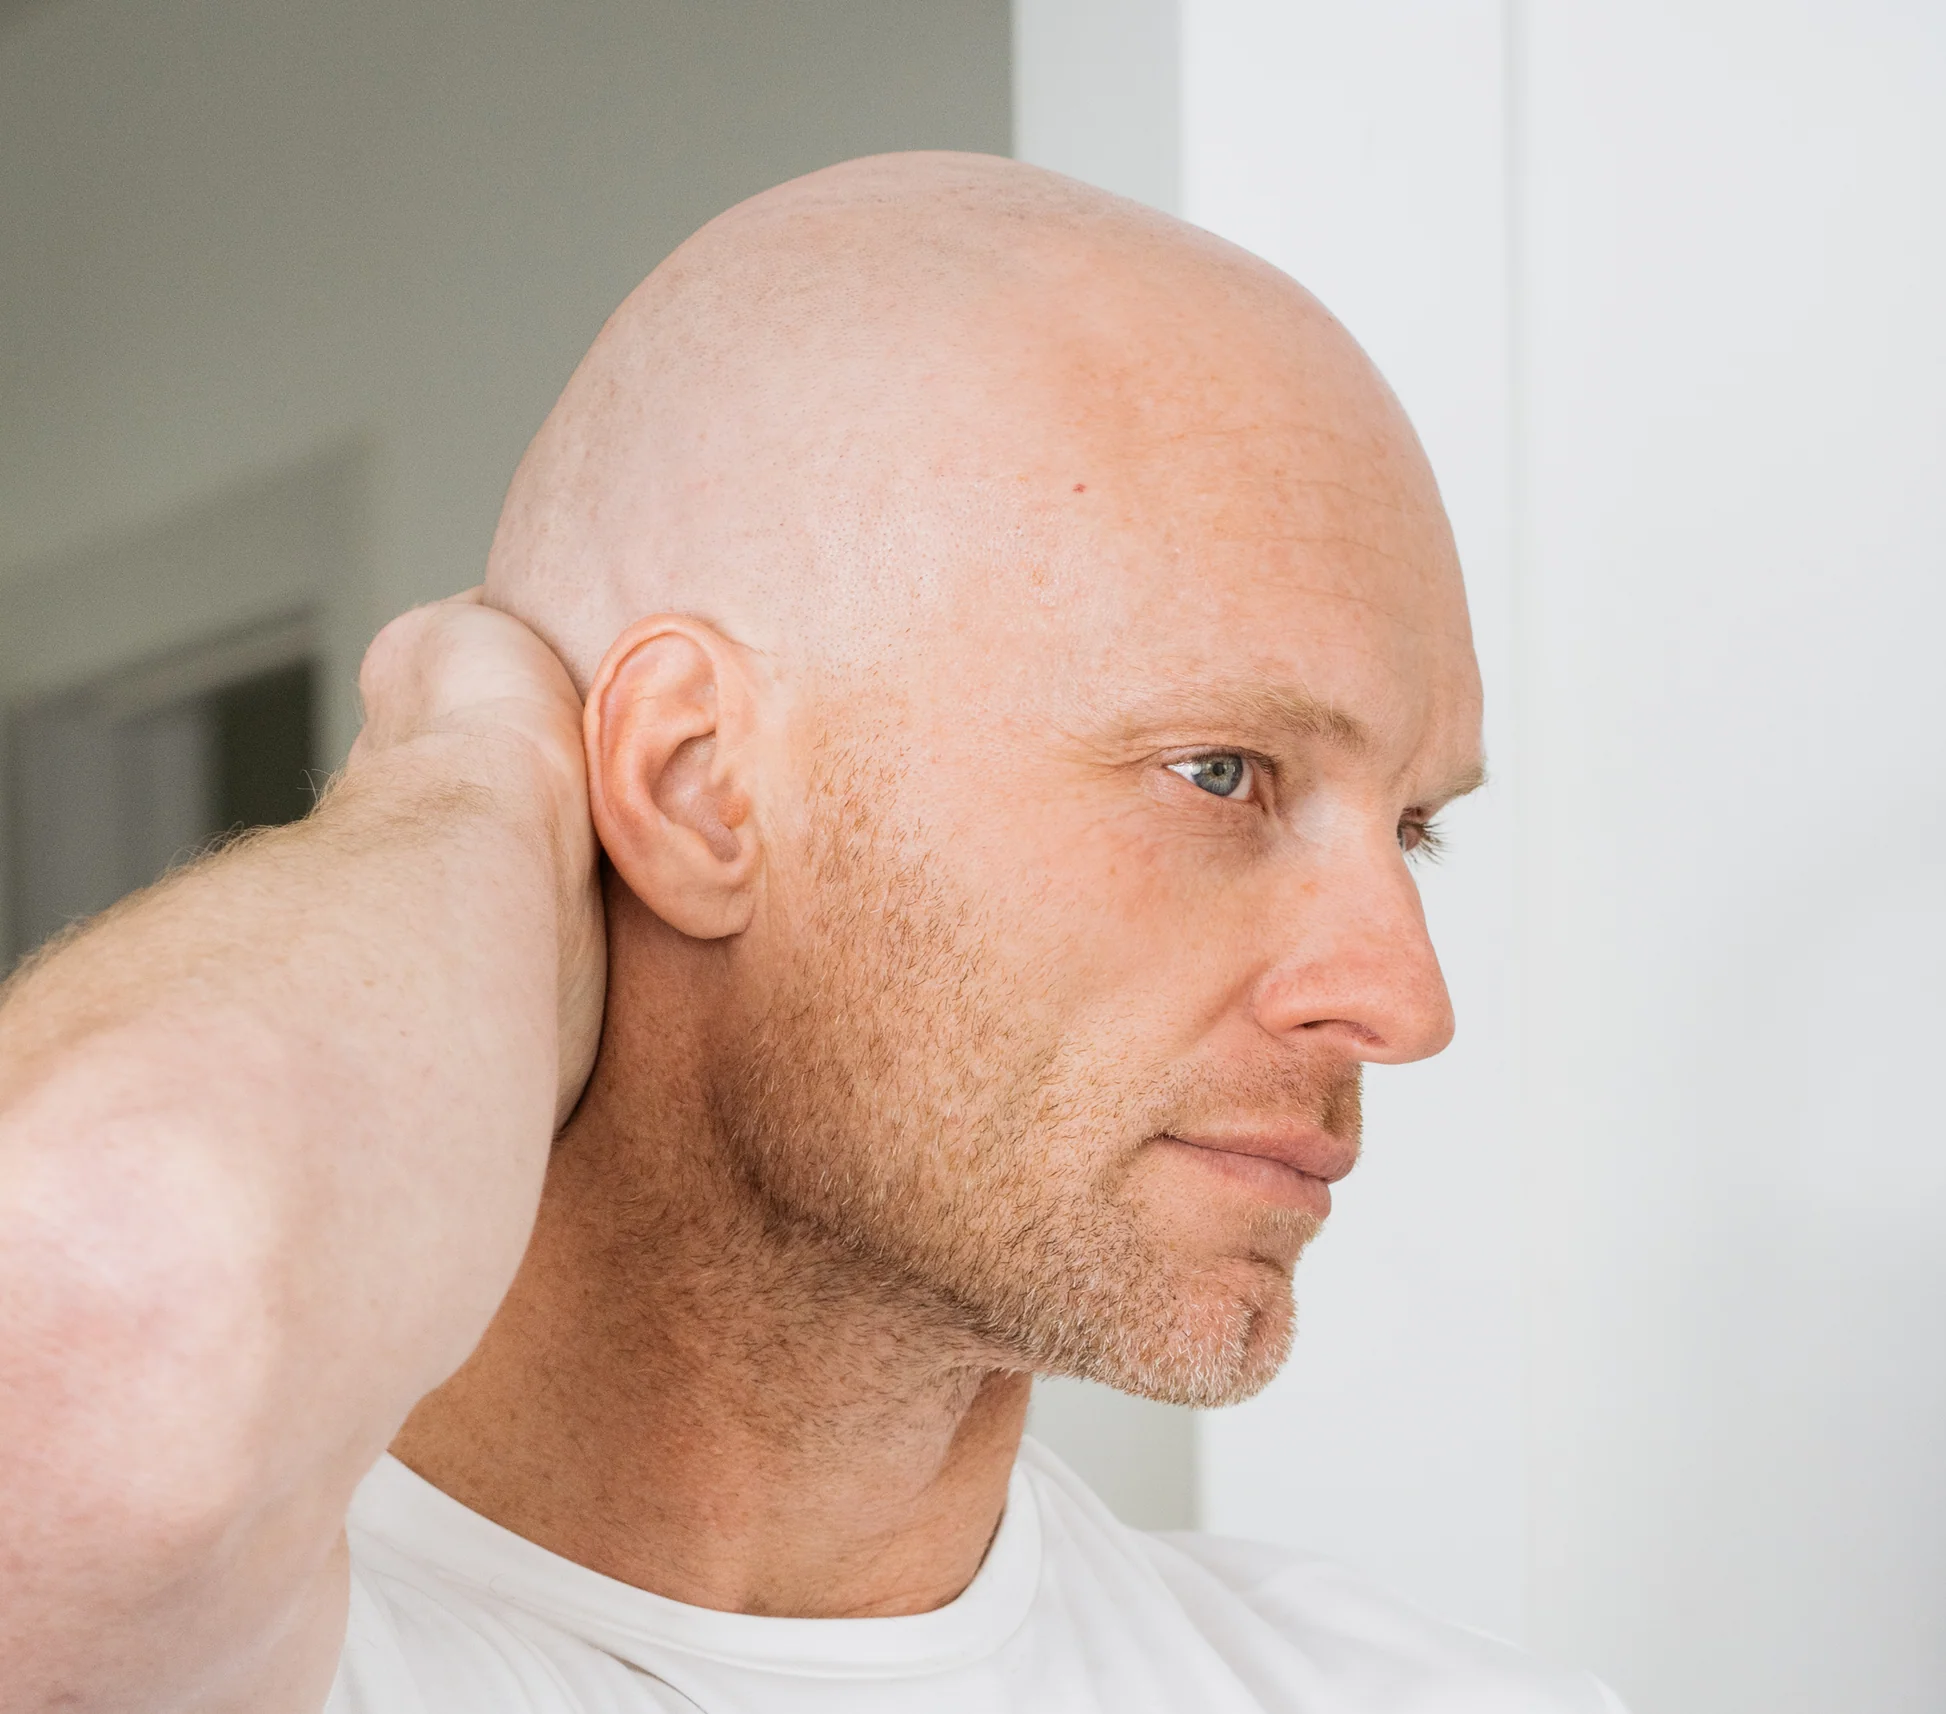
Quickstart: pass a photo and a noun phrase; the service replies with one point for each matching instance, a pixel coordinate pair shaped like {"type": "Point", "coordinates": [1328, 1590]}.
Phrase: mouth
{"type": "Point", "coordinates": [1294, 1168]}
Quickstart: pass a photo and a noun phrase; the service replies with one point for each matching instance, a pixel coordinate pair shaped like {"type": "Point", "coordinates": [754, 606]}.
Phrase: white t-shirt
{"type": "Point", "coordinates": [1072, 1613]}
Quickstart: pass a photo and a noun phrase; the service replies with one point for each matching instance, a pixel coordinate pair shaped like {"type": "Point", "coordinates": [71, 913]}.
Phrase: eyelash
{"type": "Point", "coordinates": [1429, 842]}
{"type": "Point", "coordinates": [1420, 837]}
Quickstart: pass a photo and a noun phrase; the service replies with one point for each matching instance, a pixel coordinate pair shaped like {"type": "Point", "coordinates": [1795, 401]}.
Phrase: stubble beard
{"type": "Point", "coordinates": [902, 1111]}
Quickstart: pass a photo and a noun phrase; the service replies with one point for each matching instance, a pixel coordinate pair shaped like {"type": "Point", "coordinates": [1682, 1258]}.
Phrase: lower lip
{"type": "Point", "coordinates": [1272, 1180]}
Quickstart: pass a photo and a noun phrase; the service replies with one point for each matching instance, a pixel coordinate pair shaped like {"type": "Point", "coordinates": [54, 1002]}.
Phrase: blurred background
{"type": "Point", "coordinates": [1626, 1340]}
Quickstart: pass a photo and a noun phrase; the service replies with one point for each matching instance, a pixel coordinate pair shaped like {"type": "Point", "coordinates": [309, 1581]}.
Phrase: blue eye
{"type": "Point", "coordinates": [1222, 775]}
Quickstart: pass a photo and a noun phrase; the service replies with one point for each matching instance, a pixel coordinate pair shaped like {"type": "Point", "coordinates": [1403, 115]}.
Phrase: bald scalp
{"type": "Point", "coordinates": [854, 390]}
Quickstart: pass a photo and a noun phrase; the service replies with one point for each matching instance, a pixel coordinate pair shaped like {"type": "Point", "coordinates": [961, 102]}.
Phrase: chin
{"type": "Point", "coordinates": [1218, 1341]}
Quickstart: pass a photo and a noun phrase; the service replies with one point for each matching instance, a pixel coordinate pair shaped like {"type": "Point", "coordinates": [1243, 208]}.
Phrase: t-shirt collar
{"type": "Point", "coordinates": [398, 1509]}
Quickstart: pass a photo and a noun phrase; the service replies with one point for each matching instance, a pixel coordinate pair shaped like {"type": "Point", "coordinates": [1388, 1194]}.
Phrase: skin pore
{"type": "Point", "coordinates": [1022, 645]}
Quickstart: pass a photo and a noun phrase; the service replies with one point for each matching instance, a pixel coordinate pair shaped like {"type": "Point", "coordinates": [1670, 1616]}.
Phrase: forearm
{"type": "Point", "coordinates": [271, 1138]}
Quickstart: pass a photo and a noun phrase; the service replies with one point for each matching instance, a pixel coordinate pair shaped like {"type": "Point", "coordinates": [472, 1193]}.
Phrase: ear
{"type": "Point", "coordinates": [667, 726]}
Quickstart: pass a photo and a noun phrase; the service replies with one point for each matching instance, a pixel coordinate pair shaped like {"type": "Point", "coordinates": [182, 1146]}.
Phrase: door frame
{"type": "Point", "coordinates": [277, 562]}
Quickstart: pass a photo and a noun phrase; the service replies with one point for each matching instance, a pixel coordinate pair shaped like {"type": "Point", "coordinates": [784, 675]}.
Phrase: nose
{"type": "Point", "coordinates": [1356, 962]}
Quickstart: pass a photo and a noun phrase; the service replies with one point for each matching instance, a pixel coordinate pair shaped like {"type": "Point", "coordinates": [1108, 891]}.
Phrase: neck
{"type": "Point", "coordinates": [679, 1396]}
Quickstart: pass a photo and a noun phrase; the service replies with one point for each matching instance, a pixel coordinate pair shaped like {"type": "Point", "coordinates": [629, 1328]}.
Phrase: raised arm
{"type": "Point", "coordinates": [271, 1140]}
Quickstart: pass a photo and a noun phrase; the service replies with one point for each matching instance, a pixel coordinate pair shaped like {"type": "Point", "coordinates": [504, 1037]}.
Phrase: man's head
{"type": "Point", "coordinates": [1022, 641]}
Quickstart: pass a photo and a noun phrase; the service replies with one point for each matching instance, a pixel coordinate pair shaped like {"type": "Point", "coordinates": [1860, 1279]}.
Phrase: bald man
{"type": "Point", "coordinates": [966, 667]}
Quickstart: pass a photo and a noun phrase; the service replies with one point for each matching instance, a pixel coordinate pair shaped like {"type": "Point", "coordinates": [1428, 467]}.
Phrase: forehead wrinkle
{"type": "Point", "coordinates": [1282, 438]}
{"type": "Point", "coordinates": [1329, 539]}
{"type": "Point", "coordinates": [1326, 515]}
{"type": "Point", "coordinates": [1287, 486]}
{"type": "Point", "coordinates": [1169, 422]}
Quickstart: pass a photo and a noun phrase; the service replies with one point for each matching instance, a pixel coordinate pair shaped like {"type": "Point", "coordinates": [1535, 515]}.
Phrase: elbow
{"type": "Point", "coordinates": [136, 1347]}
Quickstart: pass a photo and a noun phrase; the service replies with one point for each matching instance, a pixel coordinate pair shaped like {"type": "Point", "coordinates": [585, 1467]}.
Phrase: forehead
{"type": "Point", "coordinates": [1220, 498]}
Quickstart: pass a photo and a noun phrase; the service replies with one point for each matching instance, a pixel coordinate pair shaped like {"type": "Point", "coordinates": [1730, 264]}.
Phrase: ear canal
{"type": "Point", "coordinates": [686, 794]}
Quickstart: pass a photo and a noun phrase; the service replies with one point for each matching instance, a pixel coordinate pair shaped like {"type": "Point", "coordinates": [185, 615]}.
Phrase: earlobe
{"type": "Point", "coordinates": [667, 723]}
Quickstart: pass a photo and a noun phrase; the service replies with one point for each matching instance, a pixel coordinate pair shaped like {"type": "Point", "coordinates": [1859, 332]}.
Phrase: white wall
{"type": "Point", "coordinates": [1733, 392]}
{"type": "Point", "coordinates": [1097, 92]}
{"type": "Point", "coordinates": [1623, 1339]}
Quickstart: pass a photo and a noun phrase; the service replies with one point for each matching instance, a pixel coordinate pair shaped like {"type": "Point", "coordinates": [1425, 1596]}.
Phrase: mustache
{"type": "Point", "coordinates": [1328, 1094]}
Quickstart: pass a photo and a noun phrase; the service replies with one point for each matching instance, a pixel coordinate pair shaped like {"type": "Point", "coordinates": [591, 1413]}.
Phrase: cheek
{"type": "Point", "coordinates": [1125, 934]}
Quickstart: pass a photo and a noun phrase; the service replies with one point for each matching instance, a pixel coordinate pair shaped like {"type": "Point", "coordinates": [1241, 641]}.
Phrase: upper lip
{"type": "Point", "coordinates": [1303, 1148]}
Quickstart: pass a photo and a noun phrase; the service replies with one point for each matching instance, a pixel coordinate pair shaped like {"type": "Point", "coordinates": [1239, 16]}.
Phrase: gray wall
{"type": "Point", "coordinates": [240, 238]}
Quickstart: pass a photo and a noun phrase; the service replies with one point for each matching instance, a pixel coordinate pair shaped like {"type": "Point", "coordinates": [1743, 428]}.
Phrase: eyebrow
{"type": "Point", "coordinates": [1470, 780]}
{"type": "Point", "coordinates": [1267, 708]}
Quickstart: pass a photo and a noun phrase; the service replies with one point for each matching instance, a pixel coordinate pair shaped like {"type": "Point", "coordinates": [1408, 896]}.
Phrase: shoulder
{"type": "Point", "coordinates": [1304, 1631]}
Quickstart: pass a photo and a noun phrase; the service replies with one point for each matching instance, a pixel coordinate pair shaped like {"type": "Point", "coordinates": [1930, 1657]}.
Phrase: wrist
{"type": "Point", "coordinates": [439, 775]}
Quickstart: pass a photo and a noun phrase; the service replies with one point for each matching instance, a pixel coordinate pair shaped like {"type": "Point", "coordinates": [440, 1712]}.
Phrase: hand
{"type": "Point", "coordinates": [460, 668]}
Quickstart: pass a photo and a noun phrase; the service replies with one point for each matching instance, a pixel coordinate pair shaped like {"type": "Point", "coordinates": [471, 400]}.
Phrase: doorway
{"type": "Point", "coordinates": [111, 784]}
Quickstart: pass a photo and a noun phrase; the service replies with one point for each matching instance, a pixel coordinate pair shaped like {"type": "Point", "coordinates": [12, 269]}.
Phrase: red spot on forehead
{"type": "Point", "coordinates": [1081, 487]}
